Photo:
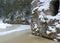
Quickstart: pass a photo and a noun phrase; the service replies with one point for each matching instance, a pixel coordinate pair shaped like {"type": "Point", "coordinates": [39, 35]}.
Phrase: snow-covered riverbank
{"type": "Point", "coordinates": [4, 25]}
{"type": "Point", "coordinates": [18, 28]}
{"type": "Point", "coordinates": [12, 28]}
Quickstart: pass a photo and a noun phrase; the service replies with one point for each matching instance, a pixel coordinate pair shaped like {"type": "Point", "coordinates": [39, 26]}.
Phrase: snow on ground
{"type": "Point", "coordinates": [20, 28]}
{"type": "Point", "coordinates": [4, 25]}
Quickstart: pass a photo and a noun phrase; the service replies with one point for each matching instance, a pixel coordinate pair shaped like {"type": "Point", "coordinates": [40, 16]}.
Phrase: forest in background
{"type": "Point", "coordinates": [12, 8]}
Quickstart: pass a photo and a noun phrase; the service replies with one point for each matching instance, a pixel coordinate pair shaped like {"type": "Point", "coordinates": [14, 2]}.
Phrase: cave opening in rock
{"type": "Point", "coordinates": [54, 7]}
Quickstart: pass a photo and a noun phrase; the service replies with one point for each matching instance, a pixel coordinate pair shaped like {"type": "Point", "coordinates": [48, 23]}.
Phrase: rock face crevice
{"type": "Point", "coordinates": [54, 7]}
{"type": "Point", "coordinates": [51, 5]}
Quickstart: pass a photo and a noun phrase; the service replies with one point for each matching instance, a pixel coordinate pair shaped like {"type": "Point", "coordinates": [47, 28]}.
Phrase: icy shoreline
{"type": "Point", "coordinates": [18, 28]}
{"type": "Point", "coordinates": [4, 25]}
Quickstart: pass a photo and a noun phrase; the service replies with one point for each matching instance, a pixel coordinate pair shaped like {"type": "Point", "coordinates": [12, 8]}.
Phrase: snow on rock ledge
{"type": "Point", "coordinates": [45, 5]}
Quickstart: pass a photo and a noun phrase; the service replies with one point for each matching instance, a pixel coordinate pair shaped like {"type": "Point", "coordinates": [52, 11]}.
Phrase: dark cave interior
{"type": "Point", "coordinates": [55, 7]}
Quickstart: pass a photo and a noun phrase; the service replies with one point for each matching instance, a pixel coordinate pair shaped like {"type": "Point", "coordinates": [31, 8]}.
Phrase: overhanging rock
{"type": "Point", "coordinates": [45, 24]}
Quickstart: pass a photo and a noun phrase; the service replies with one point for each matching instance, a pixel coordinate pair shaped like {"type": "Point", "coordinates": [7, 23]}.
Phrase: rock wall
{"type": "Point", "coordinates": [46, 24]}
{"type": "Point", "coordinates": [47, 5]}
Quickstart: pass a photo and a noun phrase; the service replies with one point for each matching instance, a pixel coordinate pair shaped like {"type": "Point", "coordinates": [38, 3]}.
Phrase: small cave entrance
{"type": "Point", "coordinates": [54, 7]}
